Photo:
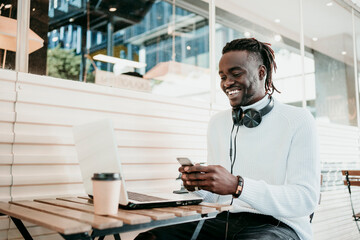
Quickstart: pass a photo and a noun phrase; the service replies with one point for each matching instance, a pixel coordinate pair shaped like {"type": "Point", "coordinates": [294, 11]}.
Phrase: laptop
{"type": "Point", "coordinates": [97, 152]}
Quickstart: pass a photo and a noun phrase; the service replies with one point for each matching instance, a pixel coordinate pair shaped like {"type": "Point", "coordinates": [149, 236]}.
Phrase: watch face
{"type": "Point", "coordinates": [252, 118]}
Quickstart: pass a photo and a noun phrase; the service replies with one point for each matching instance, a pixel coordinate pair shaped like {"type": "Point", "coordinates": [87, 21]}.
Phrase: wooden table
{"type": "Point", "coordinates": [74, 218]}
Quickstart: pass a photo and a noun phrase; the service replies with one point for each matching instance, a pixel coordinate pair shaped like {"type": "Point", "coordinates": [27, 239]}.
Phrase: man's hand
{"type": "Point", "coordinates": [213, 178]}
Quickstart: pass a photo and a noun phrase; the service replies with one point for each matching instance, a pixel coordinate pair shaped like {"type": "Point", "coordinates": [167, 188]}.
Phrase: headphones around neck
{"type": "Point", "coordinates": [251, 118]}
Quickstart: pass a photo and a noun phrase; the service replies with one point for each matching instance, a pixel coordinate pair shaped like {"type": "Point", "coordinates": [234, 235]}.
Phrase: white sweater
{"type": "Point", "coordinates": [278, 160]}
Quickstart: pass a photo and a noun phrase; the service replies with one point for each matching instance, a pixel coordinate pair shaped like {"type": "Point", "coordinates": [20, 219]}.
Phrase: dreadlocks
{"type": "Point", "coordinates": [259, 49]}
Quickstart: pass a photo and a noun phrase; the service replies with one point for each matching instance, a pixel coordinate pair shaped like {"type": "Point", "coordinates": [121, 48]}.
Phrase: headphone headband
{"type": "Point", "coordinates": [251, 117]}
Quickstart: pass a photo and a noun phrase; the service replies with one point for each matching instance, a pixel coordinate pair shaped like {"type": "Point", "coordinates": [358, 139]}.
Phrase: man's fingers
{"type": "Point", "coordinates": [194, 176]}
{"type": "Point", "coordinates": [196, 168]}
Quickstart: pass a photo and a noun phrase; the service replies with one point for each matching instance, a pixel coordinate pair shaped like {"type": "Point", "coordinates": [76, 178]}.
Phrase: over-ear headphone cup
{"type": "Point", "coordinates": [252, 118]}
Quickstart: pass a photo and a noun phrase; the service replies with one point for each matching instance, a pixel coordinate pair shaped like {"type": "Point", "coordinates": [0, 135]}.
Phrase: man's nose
{"type": "Point", "coordinates": [229, 82]}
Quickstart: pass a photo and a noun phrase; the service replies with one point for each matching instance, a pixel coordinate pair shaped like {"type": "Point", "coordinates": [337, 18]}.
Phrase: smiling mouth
{"type": "Point", "coordinates": [232, 92]}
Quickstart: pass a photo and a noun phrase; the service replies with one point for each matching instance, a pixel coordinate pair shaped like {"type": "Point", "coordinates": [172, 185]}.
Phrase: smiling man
{"type": "Point", "coordinates": [262, 157]}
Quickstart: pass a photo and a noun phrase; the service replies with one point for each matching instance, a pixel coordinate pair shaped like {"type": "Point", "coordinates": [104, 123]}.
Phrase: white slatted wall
{"type": "Point", "coordinates": [151, 132]}
{"type": "Point", "coordinates": [7, 119]}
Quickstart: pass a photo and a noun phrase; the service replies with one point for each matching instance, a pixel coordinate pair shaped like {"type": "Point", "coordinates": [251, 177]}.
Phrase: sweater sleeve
{"type": "Point", "coordinates": [299, 195]}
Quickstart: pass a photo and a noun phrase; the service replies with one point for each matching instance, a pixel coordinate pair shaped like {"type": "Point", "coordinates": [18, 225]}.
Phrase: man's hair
{"type": "Point", "coordinates": [260, 50]}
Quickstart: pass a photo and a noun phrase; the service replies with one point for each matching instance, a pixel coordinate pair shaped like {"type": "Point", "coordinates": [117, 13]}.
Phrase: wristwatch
{"type": "Point", "coordinates": [239, 187]}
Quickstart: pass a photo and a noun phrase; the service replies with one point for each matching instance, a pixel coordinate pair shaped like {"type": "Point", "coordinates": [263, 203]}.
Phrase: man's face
{"type": "Point", "coordinates": [242, 78]}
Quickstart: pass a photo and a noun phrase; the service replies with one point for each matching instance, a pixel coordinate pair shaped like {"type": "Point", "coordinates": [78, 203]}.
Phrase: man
{"type": "Point", "coordinates": [272, 174]}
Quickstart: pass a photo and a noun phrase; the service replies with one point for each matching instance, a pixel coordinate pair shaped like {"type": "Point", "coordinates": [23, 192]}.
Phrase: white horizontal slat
{"type": "Point", "coordinates": [39, 123]}
{"type": "Point", "coordinates": [6, 158]}
{"type": "Point", "coordinates": [5, 194]}
{"type": "Point", "coordinates": [124, 139]}
{"type": "Point", "coordinates": [338, 142]}
{"type": "Point", "coordinates": [4, 222]}
{"type": "Point", "coordinates": [7, 96]}
{"type": "Point", "coordinates": [6, 137]}
{"type": "Point", "coordinates": [138, 156]}
{"type": "Point", "coordinates": [21, 180]}
{"type": "Point", "coordinates": [151, 171]}
{"type": "Point", "coordinates": [59, 150]}
{"type": "Point", "coordinates": [32, 170]}
{"type": "Point", "coordinates": [4, 235]}
{"type": "Point", "coordinates": [46, 191]}
{"type": "Point", "coordinates": [336, 157]}
{"type": "Point", "coordinates": [55, 83]}
{"type": "Point", "coordinates": [112, 106]}
{"type": "Point", "coordinates": [5, 148]}
{"type": "Point", "coordinates": [6, 127]}
{"type": "Point", "coordinates": [337, 149]}
{"type": "Point", "coordinates": [6, 85]}
{"type": "Point", "coordinates": [7, 113]}
{"type": "Point", "coordinates": [5, 180]}
{"type": "Point", "coordinates": [43, 139]}
{"type": "Point", "coordinates": [8, 75]}
{"type": "Point", "coordinates": [34, 231]}
{"type": "Point", "coordinates": [166, 185]}
{"type": "Point", "coordinates": [44, 159]}
{"type": "Point", "coordinates": [5, 170]}
{"type": "Point", "coordinates": [26, 224]}
{"type": "Point", "coordinates": [113, 98]}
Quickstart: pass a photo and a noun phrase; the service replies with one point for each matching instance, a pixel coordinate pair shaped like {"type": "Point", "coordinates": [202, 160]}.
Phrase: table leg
{"type": "Point", "coordinates": [197, 229]}
{"type": "Point", "coordinates": [22, 229]}
{"type": "Point", "coordinates": [117, 237]}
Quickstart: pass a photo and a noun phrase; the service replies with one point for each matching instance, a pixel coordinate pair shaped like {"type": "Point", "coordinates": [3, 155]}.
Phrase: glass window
{"type": "Point", "coordinates": [159, 47]}
{"type": "Point", "coordinates": [8, 26]}
{"type": "Point", "coordinates": [357, 37]}
{"type": "Point", "coordinates": [329, 47]}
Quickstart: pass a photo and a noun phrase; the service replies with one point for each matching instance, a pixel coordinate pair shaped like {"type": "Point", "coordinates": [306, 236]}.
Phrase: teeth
{"type": "Point", "coordinates": [233, 92]}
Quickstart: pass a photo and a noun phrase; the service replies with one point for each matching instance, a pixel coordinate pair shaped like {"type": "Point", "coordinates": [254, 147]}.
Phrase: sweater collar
{"type": "Point", "coordinates": [259, 104]}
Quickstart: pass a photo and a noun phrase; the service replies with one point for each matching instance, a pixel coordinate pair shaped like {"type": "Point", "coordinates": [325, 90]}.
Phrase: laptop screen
{"type": "Point", "coordinates": [97, 152]}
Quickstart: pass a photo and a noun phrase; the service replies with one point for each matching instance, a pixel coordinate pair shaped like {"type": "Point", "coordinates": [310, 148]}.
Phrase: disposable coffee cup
{"type": "Point", "coordinates": [106, 193]}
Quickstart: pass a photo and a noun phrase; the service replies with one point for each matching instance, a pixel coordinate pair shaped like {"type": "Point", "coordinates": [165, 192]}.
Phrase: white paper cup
{"type": "Point", "coordinates": [106, 193]}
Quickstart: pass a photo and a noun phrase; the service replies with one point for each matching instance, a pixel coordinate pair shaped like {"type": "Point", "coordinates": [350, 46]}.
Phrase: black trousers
{"type": "Point", "coordinates": [244, 226]}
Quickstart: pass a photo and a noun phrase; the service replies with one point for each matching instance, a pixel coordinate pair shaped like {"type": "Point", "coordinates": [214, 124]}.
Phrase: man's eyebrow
{"type": "Point", "coordinates": [235, 68]}
{"type": "Point", "coordinates": [232, 69]}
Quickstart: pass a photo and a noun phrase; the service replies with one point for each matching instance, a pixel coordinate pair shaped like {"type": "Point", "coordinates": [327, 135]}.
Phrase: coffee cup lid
{"type": "Point", "coordinates": [106, 176]}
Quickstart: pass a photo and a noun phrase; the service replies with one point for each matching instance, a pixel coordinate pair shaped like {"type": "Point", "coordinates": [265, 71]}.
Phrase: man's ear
{"type": "Point", "coordinates": [262, 72]}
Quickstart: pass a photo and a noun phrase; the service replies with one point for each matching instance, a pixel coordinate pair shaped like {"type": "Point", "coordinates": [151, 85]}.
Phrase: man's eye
{"type": "Point", "coordinates": [236, 74]}
{"type": "Point", "coordinates": [223, 78]}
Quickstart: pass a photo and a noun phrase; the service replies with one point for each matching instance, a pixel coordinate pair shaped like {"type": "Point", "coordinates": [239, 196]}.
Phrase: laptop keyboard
{"type": "Point", "coordinates": [143, 197]}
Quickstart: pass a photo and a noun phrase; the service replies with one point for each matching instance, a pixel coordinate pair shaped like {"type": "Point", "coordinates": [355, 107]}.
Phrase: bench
{"type": "Point", "coordinates": [352, 178]}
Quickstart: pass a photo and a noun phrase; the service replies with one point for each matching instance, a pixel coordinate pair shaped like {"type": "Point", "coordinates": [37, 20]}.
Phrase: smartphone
{"type": "Point", "coordinates": [185, 161]}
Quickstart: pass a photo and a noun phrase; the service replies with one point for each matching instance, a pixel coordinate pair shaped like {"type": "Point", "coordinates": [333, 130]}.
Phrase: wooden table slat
{"type": "Point", "coordinates": [199, 209]}
{"type": "Point", "coordinates": [76, 200]}
{"type": "Point", "coordinates": [154, 214]}
{"type": "Point", "coordinates": [53, 222]}
{"type": "Point", "coordinates": [218, 207]}
{"type": "Point", "coordinates": [128, 218]}
{"type": "Point", "coordinates": [97, 221]}
{"type": "Point", "coordinates": [177, 211]}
